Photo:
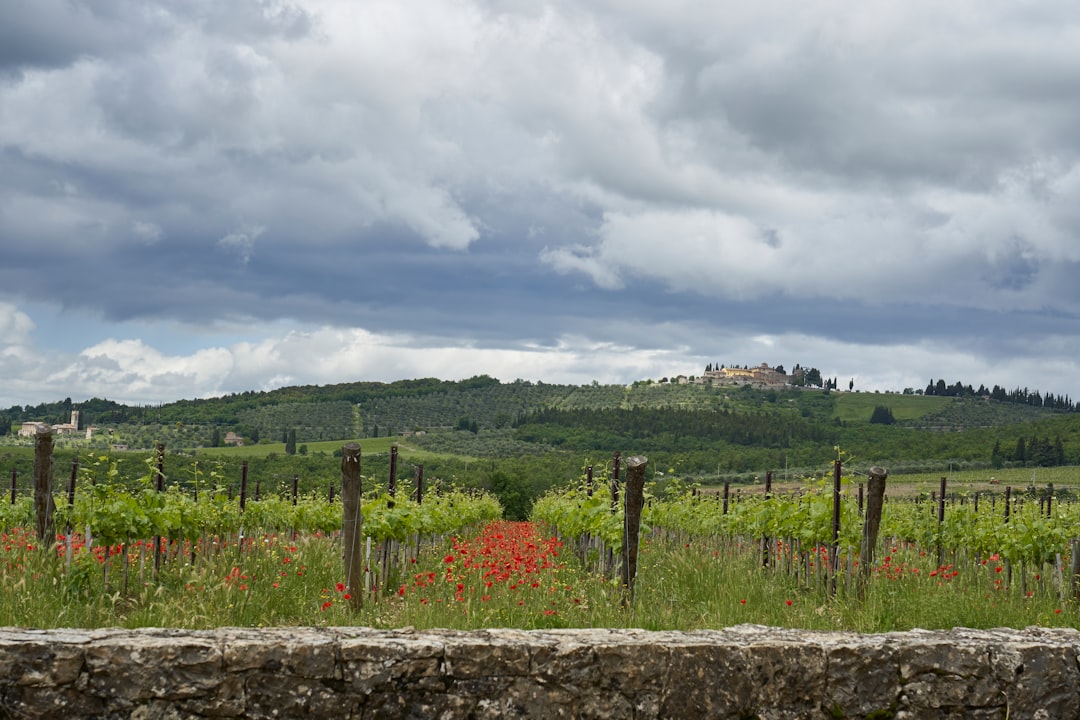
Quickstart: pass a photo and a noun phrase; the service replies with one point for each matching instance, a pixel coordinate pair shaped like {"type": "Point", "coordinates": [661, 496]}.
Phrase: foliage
{"type": "Point", "coordinates": [882, 415]}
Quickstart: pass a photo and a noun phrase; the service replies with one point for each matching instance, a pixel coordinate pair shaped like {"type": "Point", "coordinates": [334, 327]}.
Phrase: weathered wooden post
{"type": "Point", "coordinates": [352, 525]}
{"type": "Point", "coordinates": [44, 506]}
{"type": "Point", "coordinates": [634, 503]}
{"type": "Point", "coordinates": [1008, 506]}
{"type": "Point", "coordinates": [766, 543]}
{"type": "Point", "coordinates": [295, 489]}
{"type": "Point", "coordinates": [1075, 581]}
{"type": "Point", "coordinates": [419, 494]}
{"type": "Point", "coordinates": [389, 546]}
{"type": "Point", "coordinates": [14, 483]}
{"type": "Point", "coordinates": [834, 544]}
{"type": "Point", "coordinates": [159, 486]}
{"type": "Point", "coordinates": [875, 503]}
{"type": "Point", "coordinates": [71, 504]}
{"type": "Point", "coordinates": [615, 482]}
{"type": "Point", "coordinates": [243, 485]}
{"type": "Point", "coordinates": [588, 481]}
{"type": "Point", "coordinates": [391, 485]}
{"type": "Point", "coordinates": [609, 564]}
{"type": "Point", "coordinates": [71, 482]}
{"type": "Point", "coordinates": [940, 524]}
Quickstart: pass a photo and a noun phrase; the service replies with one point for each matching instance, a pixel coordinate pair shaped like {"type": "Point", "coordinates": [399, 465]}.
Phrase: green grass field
{"type": "Point", "coordinates": [858, 407]}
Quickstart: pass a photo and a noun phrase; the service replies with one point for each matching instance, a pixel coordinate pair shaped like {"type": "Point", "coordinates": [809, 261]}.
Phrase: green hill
{"type": "Point", "coordinates": [484, 431]}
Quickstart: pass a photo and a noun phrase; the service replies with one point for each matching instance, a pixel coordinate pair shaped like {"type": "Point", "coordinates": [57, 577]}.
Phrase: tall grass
{"type": "Point", "coordinates": [472, 583]}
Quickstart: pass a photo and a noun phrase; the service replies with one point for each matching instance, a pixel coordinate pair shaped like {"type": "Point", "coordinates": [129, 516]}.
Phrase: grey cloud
{"type": "Point", "coordinates": [510, 173]}
{"type": "Point", "coordinates": [247, 20]}
{"type": "Point", "coordinates": [52, 34]}
{"type": "Point", "coordinates": [56, 33]}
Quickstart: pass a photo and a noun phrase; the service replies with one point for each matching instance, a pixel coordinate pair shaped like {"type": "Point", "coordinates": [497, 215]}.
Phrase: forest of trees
{"type": "Point", "coordinates": [1031, 451]}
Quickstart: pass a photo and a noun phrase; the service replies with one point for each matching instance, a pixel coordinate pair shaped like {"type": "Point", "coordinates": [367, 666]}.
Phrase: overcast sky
{"type": "Point", "coordinates": [201, 197]}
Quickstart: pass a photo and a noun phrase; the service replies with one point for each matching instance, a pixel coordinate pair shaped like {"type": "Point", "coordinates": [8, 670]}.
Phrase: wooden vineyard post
{"type": "Point", "coordinates": [419, 501]}
{"type": "Point", "coordinates": [295, 489]}
{"type": "Point", "coordinates": [585, 541]}
{"type": "Point", "coordinates": [766, 544]}
{"type": "Point", "coordinates": [71, 504]}
{"type": "Point", "coordinates": [615, 482]}
{"type": "Point", "coordinates": [875, 503]}
{"type": "Point", "coordinates": [159, 485]}
{"type": "Point", "coordinates": [391, 484]}
{"type": "Point", "coordinates": [727, 495]}
{"type": "Point", "coordinates": [352, 525]}
{"type": "Point", "coordinates": [834, 544]}
{"type": "Point", "coordinates": [243, 506]}
{"type": "Point", "coordinates": [1075, 579]}
{"type": "Point", "coordinates": [44, 506]}
{"type": "Point", "coordinates": [609, 565]}
{"type": "Point", "coordinates": [14, 484]}
{"type": "Point", "coordinates": [389, 546]}
{"type": "Point", "coordinates": [941, 524]}
{"type": "Point", "coordinates": [243, 485]}
{"type": "Point", "coordinates": [634, 503]}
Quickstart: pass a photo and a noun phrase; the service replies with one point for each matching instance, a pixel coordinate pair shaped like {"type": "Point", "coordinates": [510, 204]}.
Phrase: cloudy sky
{"type": "Point", "coordinates": [200, 197]}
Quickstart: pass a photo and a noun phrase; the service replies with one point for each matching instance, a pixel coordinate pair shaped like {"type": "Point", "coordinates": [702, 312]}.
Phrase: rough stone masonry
{"type": "Point", "coordinates": [746, 671]}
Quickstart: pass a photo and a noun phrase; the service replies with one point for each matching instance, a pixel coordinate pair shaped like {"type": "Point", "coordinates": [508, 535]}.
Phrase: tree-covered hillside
{"type": "Point", "coordinates": [700, 428]}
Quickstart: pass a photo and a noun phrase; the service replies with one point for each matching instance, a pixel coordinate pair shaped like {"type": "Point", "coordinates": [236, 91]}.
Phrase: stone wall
{"type": "Point", "coordinates": [741, 672]}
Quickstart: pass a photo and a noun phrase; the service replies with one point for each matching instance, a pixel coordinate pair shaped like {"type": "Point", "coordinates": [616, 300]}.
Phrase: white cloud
{"type": "Point", "coordinates": [585, 260]}
{"type": "Point", "coordinates": [242, 241]}
{"type": "Point", "coordinates": [131, 371]}
{"type": "Point", "coordinates": [135, 372]}
{"type": "Point", "coordinates": [15, 326]}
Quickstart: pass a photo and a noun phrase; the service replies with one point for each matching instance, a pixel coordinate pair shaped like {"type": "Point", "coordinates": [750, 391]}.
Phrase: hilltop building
{"type": "Point", "coordinates": [69, 428]}
{"type": "Point", "coordinates": [760, 376]}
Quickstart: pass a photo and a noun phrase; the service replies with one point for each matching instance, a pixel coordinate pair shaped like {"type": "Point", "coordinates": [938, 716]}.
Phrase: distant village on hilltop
{"type": "Point", "coordinates": [761, 376]}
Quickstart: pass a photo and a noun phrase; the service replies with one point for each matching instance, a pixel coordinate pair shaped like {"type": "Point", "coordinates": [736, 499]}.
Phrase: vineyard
{"type": "Point", "coordinates": [199, 554]}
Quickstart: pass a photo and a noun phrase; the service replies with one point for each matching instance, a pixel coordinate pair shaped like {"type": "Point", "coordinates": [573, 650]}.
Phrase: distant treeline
{"type": "Point", "coordinates": [1021, 396]}
{"type": "Point", "coordinates": [228, 409]}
